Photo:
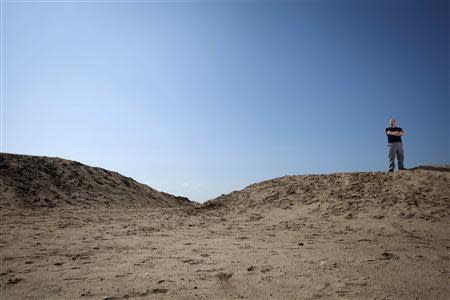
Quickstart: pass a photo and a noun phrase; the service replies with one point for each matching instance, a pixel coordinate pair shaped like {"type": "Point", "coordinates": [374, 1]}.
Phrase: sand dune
{"type": "Point", "coordinates": [34, 181]}
{"type": "Point", "coordinates": [423, 192]}
{"type": "Point", "coordinates": [336, 236]}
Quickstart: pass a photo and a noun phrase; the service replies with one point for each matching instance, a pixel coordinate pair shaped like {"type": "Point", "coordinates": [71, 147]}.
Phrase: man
{"type": "Point", "coordinates": [395, 146]}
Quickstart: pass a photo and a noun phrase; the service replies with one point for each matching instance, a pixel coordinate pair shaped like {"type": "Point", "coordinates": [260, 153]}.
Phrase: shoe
{"type": "Point", "coordinates": [390, 170]}
{"type": "Point", "coordinates": [401, 169]}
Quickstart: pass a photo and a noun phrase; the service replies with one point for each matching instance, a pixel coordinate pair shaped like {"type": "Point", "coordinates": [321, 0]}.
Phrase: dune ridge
{"type": "Point", "coordinates": [421, 192]}
{"type": "Point", "coordinates": [37, 181]}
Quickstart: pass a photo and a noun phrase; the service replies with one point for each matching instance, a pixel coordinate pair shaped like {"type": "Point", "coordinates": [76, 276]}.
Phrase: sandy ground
{"type": "Point", "coordinates": [71, 231]}
{"type": "Point", "coordinates": [53, 253]}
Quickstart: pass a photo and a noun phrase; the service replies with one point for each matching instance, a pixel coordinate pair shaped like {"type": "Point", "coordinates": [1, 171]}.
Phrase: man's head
{"type": "Point", "coordinates": [393, 122]}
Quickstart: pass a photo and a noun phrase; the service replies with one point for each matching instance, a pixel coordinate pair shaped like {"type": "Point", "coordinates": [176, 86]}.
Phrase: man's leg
{"type": "Point", "coordinates": [400, 156]}
{"type": "Point", "coordinates": [391, 156]}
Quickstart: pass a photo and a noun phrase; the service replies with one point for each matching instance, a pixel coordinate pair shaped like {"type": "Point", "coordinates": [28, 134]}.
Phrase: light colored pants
{"type": "Point", "coordinates": [395, 150]}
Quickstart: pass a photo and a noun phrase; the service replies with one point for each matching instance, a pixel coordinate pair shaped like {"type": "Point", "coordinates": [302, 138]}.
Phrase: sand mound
{"type": "Point", "coordinates": [337, 236]}
{"type": "Point", "coordinates": [420, 192]}
{"type": "Point", "coordinates": [34, 181]}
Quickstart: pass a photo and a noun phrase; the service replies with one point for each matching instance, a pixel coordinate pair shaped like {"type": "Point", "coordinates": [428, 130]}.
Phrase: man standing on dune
{"type": "Point", "coordinates": [395, 146]}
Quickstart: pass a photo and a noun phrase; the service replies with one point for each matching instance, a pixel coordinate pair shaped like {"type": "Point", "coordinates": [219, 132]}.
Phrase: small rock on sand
{"type": "Point", "coordinates": [224, 275]}
{"type": "Point", "coordinates": [159, 291]}
{"type": "Point", "coordinates": [389, 256]}
{"type": "Point", "coordinates": [251, 268]}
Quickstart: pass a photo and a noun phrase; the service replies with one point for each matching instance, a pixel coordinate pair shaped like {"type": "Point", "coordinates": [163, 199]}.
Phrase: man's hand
{"type": "Point", "coordinates": [395, 133]}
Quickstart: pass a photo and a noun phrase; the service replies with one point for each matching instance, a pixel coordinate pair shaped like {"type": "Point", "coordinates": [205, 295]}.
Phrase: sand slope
{"type": "Point", "coordinates": [35, 181]}
{"type": "Point", "coordinates": [423, 192]}
{"type": "Point", "coordinates": [337, 236]}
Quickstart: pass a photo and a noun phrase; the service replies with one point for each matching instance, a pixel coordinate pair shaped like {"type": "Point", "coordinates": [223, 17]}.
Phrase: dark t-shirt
{"type": "Point", "coordinates": [393, 138]}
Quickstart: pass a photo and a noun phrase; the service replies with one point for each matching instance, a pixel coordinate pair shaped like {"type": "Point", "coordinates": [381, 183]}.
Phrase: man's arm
{"type": "Point", "coordinates": [395, 133]}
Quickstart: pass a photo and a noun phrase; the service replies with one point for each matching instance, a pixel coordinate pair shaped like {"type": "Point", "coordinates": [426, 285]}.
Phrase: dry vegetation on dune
{"type": "Point", "coordinates": [100, 235]}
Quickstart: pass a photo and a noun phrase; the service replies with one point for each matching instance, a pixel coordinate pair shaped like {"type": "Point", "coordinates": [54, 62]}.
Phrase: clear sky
{"type": "Point", "coordinates": [200, 98]}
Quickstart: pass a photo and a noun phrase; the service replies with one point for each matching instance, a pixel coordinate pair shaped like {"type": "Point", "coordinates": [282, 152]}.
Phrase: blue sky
{"type": "Point", "coordinates": [201, 98]}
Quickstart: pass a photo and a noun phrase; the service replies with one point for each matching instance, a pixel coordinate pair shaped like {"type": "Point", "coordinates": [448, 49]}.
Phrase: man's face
{"type": "Point", "coordinates": [393, 123]}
